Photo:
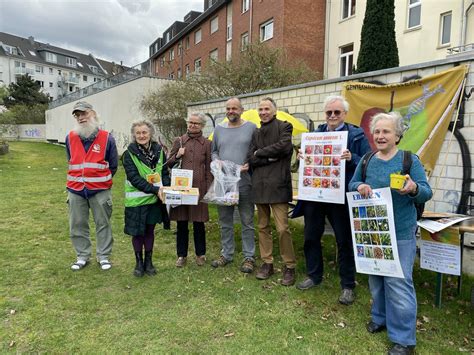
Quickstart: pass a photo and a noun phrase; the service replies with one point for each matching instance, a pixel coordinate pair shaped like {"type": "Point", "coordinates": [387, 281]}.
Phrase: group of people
{"type": "Point", "coordinates": [264, 155]}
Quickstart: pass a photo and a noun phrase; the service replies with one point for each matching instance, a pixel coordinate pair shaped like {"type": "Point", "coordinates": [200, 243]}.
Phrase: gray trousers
{"type": "Point", "coordinates": [101, 206]}
{"type": "Point", "coordinates": [246, 210]}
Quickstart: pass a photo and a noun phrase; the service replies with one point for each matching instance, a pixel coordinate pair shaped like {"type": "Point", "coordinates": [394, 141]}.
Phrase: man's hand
{"type": "Point", "coordinates": [346, 154]}
{"type": "Point", "coordinates": [244, 168]}
{"type": "Point", "coordinates": [365, 190]}
{"type": "Point", "coordinates": [181, 152]}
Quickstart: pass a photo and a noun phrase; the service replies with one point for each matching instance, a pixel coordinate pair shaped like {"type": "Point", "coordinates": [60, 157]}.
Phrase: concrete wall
{"type": "Point", "coordinates": [116, 107]}
{"type": "Point", "coordinates": [23, 132]}
{"type": "Point", "coordinates": [446, 180]}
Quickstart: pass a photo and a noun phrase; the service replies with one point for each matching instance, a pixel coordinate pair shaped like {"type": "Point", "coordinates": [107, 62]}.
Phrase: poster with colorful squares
{"type": "Point", "coordinates": [322, 171]}
{"type": "Point", "coordinates": [373, 233]}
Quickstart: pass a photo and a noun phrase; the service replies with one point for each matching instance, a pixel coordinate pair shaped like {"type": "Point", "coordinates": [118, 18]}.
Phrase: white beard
{"type": "Point", "coordinates": [85, 130]}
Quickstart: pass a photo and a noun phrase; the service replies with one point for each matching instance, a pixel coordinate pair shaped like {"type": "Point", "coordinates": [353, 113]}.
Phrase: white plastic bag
{"type": "Point", "coordinates": [224, 189]}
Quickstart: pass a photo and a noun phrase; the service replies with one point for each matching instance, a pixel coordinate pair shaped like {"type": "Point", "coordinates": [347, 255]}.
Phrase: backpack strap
{"type": "Point", "coordinates": [365, 163]}
{"type": "Point", "coordinates": [407, 161]}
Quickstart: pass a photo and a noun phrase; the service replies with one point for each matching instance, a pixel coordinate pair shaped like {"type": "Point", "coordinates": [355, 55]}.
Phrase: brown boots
{"type": "Point", "coordinates": [266, 270]}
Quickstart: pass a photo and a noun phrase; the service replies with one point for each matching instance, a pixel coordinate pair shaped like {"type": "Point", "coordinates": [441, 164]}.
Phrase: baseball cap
{"type": "Point", "coordinates": [81, 106]}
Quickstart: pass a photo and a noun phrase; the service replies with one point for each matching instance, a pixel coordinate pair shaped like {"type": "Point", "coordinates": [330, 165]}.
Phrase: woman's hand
{"type": "Point", "coordinates": [180, 153]}
{"type": "Point", "coordinates": [410, 187]}
{"type": "Point", "coordinates": [346, 154]}
{"type": "Point", "coordinates": [365, 190]}
{"type": "Point", "coordinates": [160, 194]}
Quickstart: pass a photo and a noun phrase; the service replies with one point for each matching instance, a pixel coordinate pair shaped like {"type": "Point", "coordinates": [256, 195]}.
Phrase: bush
{"type": "Point", "coordinates": [24, 114]}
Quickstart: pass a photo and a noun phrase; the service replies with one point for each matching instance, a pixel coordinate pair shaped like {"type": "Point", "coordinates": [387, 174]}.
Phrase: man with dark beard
{"type": "Point", "coordinates": [93, 159]}
{"type": "Point", "coordinates": [231, 141]}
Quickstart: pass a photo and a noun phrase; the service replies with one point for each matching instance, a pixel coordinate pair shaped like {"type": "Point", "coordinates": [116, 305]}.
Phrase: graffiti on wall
{"type": "Point", "coordinates": [33, 133]}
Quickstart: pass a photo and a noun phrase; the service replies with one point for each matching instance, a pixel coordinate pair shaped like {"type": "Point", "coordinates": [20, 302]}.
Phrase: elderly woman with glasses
{"type": "Point", "coordinates": [394, 299]}
{"type": "Point", "coordinates": [194, 151]}
{"type": "Point", "coordinates": [143, 162]}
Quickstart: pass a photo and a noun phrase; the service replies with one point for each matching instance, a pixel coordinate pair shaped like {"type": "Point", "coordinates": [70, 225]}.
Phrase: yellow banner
{"type": "Point", "coordinates": [426, 105]}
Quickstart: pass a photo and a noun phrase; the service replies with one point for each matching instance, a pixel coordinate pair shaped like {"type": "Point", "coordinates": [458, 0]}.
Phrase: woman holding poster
{"type": "Point", "coordinates": [195, 153]}
{"type": "Point", "coordinates": [394, 299]}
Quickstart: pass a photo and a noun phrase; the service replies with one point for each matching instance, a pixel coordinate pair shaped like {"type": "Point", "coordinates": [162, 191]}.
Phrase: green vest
{"type": "Point", "coordinates": [135, 197]}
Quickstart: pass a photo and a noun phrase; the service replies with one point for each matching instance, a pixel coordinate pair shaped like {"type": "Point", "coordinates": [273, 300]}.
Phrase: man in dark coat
{"type": "Point", "coordinates": [315, 213]}
{"type": "Point", "coordinates": [270, 159]}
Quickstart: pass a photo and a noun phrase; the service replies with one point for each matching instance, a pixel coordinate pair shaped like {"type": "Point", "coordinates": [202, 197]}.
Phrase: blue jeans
{"type": "Point", "coordinates": [246, 210]}
{"type": "Point", "coordinates": [394, 299]}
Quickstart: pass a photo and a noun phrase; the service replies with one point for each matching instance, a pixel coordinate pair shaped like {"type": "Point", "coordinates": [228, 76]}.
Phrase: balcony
{"type": "Point", "coordinates": [24, 71]}
{"type": "Point", "coordinates": [71, 80]}
{"type": "Point", "coordinates": [466, 50]}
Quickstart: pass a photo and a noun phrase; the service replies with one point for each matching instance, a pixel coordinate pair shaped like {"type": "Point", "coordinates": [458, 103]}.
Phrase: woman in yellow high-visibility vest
{"type": "Point", "coordinates": [143, 163]}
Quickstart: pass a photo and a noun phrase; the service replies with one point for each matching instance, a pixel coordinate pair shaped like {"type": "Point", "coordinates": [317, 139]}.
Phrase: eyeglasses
{"type": "Point", "coordinates": [337, 113]}
{"type": "Point", "coordinates": [194, 123]}
{"type": "Point", "coordinates": [78, 114]}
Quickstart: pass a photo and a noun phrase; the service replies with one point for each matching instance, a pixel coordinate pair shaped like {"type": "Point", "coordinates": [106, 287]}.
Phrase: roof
{"type": "Point", "coordinates": [190, 27]}
{"type": "Point", "coordinates": [31, 50]}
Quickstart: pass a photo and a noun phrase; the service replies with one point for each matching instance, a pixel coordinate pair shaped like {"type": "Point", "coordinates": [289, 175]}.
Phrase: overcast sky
{"type": "Point", "coordinates": [114, 30]}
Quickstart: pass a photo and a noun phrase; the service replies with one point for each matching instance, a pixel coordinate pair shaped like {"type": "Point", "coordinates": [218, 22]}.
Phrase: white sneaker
{"type": "Point", "coordinates": [79, 264]}
{"type": "Point", "coordinates": [105, 264]}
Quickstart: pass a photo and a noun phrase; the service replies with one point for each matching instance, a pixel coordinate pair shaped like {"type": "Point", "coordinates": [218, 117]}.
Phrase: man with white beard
{"type": "Point", "coordinates": [93, 160]}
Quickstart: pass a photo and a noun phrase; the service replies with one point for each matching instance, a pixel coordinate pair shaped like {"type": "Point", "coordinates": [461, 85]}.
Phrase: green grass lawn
{"type": "Point", "coordinates": [47, 308]}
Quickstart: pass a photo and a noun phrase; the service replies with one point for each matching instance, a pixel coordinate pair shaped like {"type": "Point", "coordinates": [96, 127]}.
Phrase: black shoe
{"type": "Point", "coordinates": [139, 268]}
{"type": "Point", "coordinates": [375, 328]}
{"type": "Point", "coordinates": [149, 268]}
{"type": "Point", "coordinates": [398, 349]}
{"type": "Point", "coordinates": [306, 284]}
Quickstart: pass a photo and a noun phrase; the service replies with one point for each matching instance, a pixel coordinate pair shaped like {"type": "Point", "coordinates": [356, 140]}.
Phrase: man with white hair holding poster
{"type": "Point", "coordinates": [93, 160]}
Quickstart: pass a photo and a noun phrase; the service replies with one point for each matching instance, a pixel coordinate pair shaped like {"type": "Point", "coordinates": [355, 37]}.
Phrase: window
{"type": "Point", "coordinates": [179, 74]}
{"type": "Point", "coordinates": [180, 48]}
{"type": "Point", "coordinates": [244, 41]}
{"type": "Point", "coordinates": [50, 84]}
{"type": "Point", "coordinates": [229, 32]}
{"type": "Point", "coordinates": [95, 80]}
{"type": "Point", "coordinates": [214, 24]}
{"type": "Point", "coordinates": [40, 83]}
{"type": "Point", "coordinates": [32, 53]}
{"type": "Point", "coordinates": [197, 36]}
{"type": "Point", "coordinates": [213, 55]}
{"type": "Point", "coordinates": [414, 13]}
{"type": "Point", "coordinates": [186, 42]}
{"type": "Point", "coordinates": [266, 31]}
{"type": "Point", "coordinates": [84, 78]}
{"type": "Point", "coordinates": [348, 8]}
{"type": "Point", "coordinates": [79, 64]}
{"type": "Point", "coordinates": [167, 38]}
{"type": "Point", "coordinates": [172, 54]}
{"type": "Point", "coordinates": [171, 75]}
{"type": "Point", "coordinates": [51, 57]}
{"type": "Point", "coordinates": [445, 29]}
{"type": "Point", "coordinates": [197, 65]}
{"type": "Point", "coordinates": [346, 59]}
{"type": "Point", "coordinates": [186, 71]}
{"type": "Point", "coordinates": [71, 62]}
{"type": "Point", "coordinates": [93, 68]}
{"type": "Point", "coordinates": [12, 50]}
{"type": "Point", "coordinates": [59, 71]}
{"type": "Point", "coordinates": [39, 69]}
{"type": "Point", "coordinates": [50, 71]}
{"type": "Point", "coordinates": [245, 5]}
{"type": "Point", "coordinates": [162, 61]}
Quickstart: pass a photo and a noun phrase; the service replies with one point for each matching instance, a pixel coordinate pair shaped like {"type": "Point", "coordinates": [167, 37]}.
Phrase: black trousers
{"type": "Point", "coordinates": [182, 238]}
{"type": "Point", "coordinates": [314, 220]}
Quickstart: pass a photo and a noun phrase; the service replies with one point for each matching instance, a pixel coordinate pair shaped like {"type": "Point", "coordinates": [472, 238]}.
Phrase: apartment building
{"type": "Point", "coordinates": [426, 30]}
{"type": "Point", "coordinates": [226, 27]}
{"type": "Point", "coordinates": [58, 71]}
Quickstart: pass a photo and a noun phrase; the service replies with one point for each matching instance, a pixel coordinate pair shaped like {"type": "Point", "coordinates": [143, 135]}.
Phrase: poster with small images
{"type": "Point", "coordinates": [322, 171]}
{"type": "Point", "coordinates": [373, 233]}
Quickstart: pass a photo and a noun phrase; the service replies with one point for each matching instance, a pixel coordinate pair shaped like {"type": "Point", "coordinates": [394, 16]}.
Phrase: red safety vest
{"type": "Point", "coordinates": [88, 170]}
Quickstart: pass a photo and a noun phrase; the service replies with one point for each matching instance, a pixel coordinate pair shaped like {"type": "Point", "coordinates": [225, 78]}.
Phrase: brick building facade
{"type": "Point", "coordinates": [225, 27]}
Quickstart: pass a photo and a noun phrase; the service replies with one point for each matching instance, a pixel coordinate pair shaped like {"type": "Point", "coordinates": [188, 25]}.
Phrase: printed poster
{"type": "Point", "coordinates": [322, 171]}
{"type": "Point", "coordinates": [441, 251]}
{"type": "Point", "coordinates": [373, 234]}
{"type": "Point", "coordinates": [182, 178]}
